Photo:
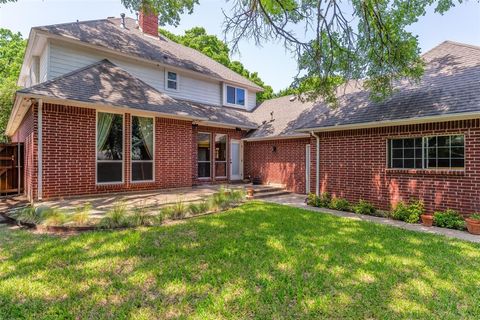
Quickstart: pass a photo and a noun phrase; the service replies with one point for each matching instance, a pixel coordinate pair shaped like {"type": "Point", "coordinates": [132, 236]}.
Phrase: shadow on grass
{"type": "Point", "coordinates": [257, 261]}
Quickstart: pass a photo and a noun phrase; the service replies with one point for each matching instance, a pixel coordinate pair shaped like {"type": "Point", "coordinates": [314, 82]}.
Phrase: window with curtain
{"type": "Point", "coordinates": [220, 155]}
{"type": "Point", "coordinates": [203, 154]}
{"type": "Point", "coordinates": [142, 148]}
{"type": "Point", "coordinates": [431, 152]}
{"type": "Point", "coordinates": [109, 148]}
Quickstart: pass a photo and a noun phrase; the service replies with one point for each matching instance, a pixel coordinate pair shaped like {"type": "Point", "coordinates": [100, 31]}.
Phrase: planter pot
{"type": "Point", "coordinates": [427, 220]}
{"type": "Point", "coordinates": [250, 192]}
{"type": "Point", "coordinates": [473, 226]}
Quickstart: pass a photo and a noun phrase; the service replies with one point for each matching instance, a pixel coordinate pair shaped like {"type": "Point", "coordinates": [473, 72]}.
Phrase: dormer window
{"type": "Point", "coordinates": [235, 96]}
{"type": "Point", "coordinates": [171, 80]}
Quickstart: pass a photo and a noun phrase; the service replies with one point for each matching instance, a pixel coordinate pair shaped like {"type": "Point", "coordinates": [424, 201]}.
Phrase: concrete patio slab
{"type": "Point", "coordinates": [298, 201]}
{"type": "Point", "coordinates": [151, 200]}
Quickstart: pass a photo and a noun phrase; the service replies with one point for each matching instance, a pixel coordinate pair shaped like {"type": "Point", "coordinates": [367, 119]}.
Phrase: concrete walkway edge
{"type": "Point", "coordinates": [298, 201]}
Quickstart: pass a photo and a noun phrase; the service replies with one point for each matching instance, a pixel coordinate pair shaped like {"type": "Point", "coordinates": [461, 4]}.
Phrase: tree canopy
{"type": "Point", "coordinates": [334, 41]}
{"type": "Point", "coordinates": [12, 48]}
{"type": "Point", "coordinates": [210, 45]}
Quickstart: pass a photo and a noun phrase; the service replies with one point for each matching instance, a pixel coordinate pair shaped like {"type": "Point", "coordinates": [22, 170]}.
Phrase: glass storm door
{"type": "Point", "coordinates": [235, 160]}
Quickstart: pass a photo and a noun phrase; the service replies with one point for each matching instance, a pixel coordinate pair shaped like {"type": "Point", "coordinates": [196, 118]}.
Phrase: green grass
{"type": "Point", "coordinates": [258, 261]}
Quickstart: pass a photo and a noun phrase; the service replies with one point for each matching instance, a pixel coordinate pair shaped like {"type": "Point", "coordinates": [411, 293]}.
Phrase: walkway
{"type": "Point", "coordinates": [298, 201]}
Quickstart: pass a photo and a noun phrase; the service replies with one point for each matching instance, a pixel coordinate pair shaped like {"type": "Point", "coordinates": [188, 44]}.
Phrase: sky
{"type": "Point", "coordinates": [275, 65]}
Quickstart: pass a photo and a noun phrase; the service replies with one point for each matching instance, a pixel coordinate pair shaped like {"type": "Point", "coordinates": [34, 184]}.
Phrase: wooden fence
{"type": "Point", "coordinates": [11, 169]}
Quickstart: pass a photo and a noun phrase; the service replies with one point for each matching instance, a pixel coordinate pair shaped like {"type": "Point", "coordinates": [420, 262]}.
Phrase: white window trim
{"type": "Point", "coordinates": [226, 156]}
{"type": "Point", "coordinates": [177, 81]}
{"type": "Point", "coordinates": [425, 156]}
{"type": "Point", "coordinates": [210, 162]}
{"type": "Point", "coordinates": [106, 161]}
{"type": "Point", "coordinates": [154, 148]}
{"type": "Point", "coordinates": [233, 105]}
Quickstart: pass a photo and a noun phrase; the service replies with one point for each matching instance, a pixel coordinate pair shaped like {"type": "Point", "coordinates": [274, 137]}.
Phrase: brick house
{"type": "Point", "coordinates": [109, 105]}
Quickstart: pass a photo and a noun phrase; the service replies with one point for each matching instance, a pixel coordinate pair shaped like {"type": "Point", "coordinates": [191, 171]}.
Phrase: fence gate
{"type": "Point", "coordinates": [11, 169]}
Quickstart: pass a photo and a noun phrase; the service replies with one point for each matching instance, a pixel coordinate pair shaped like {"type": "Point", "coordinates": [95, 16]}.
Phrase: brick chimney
{"type": "Point", "coordinates": [148, 22]}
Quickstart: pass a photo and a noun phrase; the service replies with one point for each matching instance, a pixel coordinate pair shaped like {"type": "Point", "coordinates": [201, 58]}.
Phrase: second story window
{"type": "Point", "coordinates": [235, 96]}
{"type": "Point", "coordinates": [171, 80]}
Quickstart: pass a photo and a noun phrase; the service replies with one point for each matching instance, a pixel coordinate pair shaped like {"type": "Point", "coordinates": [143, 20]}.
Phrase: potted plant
{"type": "Point", "coordinates": [473, 223]}
{"type": "Point", "coordinates": [427, 220]}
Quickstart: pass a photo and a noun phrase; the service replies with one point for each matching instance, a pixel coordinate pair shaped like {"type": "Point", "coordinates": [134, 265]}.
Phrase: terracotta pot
{"type": "Point", "coordinates": [427, 220]}
{"type": "Point", "coordinates": [250, 192]}
{"type": "Point", "coordinates": [473, 226]}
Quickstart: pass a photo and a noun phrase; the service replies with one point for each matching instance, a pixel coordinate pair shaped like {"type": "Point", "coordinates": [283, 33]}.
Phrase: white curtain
{"type": "Point", "coordinates": [103, 128]}
{"type": "Point", "coordinates": [146, 128]}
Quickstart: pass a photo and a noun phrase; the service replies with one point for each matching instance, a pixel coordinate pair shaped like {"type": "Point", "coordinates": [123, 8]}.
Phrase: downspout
{"type": "Point", "coordinates": [40, 150]}
{"type": "Point", "coordinates": [317, 164]}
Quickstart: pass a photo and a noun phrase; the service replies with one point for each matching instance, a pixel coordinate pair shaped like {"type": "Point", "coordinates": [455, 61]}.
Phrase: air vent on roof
{"type": "Point", "coordinates": [122, 15]}
{"type": "Point", "coordinates": [110, 17]}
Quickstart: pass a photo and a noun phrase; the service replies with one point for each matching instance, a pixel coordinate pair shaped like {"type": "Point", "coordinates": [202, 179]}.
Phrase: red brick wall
{"type": "Point", "coordinates": [285, 166]}
{"type": "Point", "coordinates": [148, 22]}
{"type": "Point", "coordinates": [231, 134]}
{"type": "Point", "coordinates": [69, 153]}
{"type": "Point", "coordinates": [353, 165]}
{"type": "Point", "coordinates": [26, 133]}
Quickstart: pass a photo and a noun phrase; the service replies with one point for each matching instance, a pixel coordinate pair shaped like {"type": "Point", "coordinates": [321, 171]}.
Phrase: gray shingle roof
{"type": "Point", "coordinates": [107, 33]}
{"type": "Point", "coordinates": [450, 85]}
{"type": "Point", "coordinates": [105, 83]}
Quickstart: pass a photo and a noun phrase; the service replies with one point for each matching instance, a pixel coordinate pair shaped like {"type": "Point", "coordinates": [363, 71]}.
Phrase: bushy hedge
{"type": "Point", "coordinates": [449, 219]}
{"type": "Point", "coordinates": [408, 212]}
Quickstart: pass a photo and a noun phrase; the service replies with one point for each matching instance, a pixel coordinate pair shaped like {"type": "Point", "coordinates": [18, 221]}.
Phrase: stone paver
{"type": "Point", "coordinates": [298, 201]}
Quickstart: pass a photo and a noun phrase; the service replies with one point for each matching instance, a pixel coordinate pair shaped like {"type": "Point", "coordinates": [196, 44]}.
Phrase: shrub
{"type": "Point", "coordinates": [408, 212]}
{"type": "Point", "coordinates": [220, 201]}
{"type": "Point", "coordinates": [29, 215]}
{"type": "Point", "coordinates": [82, 214]}
{"type": "Point", "coordinates": [54, 217]}
{"type": "Point", "coordinates": [312, 199]}
{"type": "Point", "coordinates": [364, 207]}
{"type": "Point", "coordinates": [140, 217]}
{"type": "Point", "coordinates": [166, 212]}
{"type": "Point", "coordinates": [179, 209]}
{"type": "Point", "coordinates": [204, 206]}
{"type": "Point", "coordinates": [475, 216]}
{"type": "Point", "coordinates": [115, 217]}
{"type": "Point", "coordinates": [194, 208]}
{"type": "Point", "coordinates": [340, 204]}
{"type": "Point", "coordinates": [449, 219]}
{"type": "Point", "coordinates": [236, 196]}
{"type": "Point", "coordinates": [319, 201]}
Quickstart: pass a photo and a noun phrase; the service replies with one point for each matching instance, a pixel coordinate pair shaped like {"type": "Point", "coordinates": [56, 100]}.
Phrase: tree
{"type": "Point", "coordinates": [339, 41]}
{"type": "Point", "coordinates": [12, 49]}
{"type": "Point", "coordinates": [198, 39]}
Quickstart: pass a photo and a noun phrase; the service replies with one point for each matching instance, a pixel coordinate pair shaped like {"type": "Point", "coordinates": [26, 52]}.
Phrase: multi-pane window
{"type": "Point", "coordinates": [435, 152]}
{"type": "Point", "coordinates": [203, 154]}
{"type": "Point", "coordinates": [235, 96]}
{"type": "Point", "coordinates": [109, 148]}
{"type": "Point", "coordinates": [142, 148]}
{"type": "Point", "coordinates": [221, 155]}
{"type": "Point", "coordinates": [172, 80]}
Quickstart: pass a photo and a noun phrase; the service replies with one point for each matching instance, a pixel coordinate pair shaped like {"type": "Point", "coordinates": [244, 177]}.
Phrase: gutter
{"type": "Point", "coordinates": [317, 164]}
{"type": "Point", "coordinates": [389, 123]}
{"type": "Point", "coordinates": [40, 150]}
{"type": "Point", "coordinates": [297, 136]}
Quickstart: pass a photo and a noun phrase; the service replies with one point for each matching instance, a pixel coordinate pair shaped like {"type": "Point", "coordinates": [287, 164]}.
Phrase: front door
{"type": "Point", "coordinates": [235, 160]}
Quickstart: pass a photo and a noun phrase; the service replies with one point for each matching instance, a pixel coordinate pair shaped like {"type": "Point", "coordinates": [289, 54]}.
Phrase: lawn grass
{"type": "Point", "coordinates": [258, 261]}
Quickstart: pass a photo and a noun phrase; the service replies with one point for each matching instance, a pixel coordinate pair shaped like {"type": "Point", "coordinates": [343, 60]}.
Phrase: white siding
{"type": "Point", "coordinates": [44, 57]}
{"type": "Point", "coordinates": [252, 100]}
{"type": "Point", "coordinates": [64, 59]}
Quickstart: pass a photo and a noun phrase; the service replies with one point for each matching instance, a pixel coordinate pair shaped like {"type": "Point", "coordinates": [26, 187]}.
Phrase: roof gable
{"type": "Point", "coordinates": [108, 34]}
